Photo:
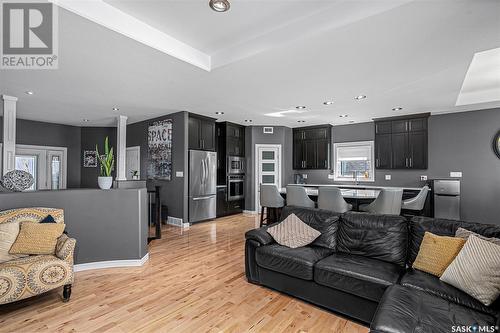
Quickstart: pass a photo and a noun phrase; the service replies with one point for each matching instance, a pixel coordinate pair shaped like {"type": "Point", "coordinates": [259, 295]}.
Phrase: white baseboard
{"type": "Point", "coordinates": [111, 264]}
{"type": "Point", "coordinates": [177, 222]}
{"type": "Point", "coordinates": [253, 212]}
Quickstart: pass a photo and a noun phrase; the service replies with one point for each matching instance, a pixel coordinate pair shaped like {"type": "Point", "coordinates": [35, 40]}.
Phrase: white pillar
{"type": "Point", "coordinates": [121, 150]}
{"type": "Point", "coordinates": [9, 134]}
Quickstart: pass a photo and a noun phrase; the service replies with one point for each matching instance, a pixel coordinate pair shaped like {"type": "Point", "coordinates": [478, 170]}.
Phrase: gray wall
{"type": "Point", "coordinates": [174, 193]}
{"type": "Point", "coordinates": [107, 225]}
{"type": "Point", "coordinates": [254, 135]}
{"type": "Point", "coordinates": [457, 142]}
{"type": "Point", "coordinates": [47, 134]}
{"type": "Point", "coordinates": [89, 138]}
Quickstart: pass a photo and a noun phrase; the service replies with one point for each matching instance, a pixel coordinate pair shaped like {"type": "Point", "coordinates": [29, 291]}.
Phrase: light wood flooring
{"type": "Point", "coordinates": [194, 282]}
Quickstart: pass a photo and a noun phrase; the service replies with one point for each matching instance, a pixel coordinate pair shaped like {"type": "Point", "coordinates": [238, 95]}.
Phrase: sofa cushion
{"type": "Point", "coordinates": [297, 262]}
{"type": "Point", "coordinates": [382, 237]}
{"type": "Point", "coordinates": [429, 283]}
{"type": "Point", "coordinates": [443, 227]}
{"type": "Point", "coordinates": [324, 221]}
{"type": "Point", "coordinates": [8, 235]}
{"type": "Point", "coordinates": [361, 276]}
{"type": "Point", "coordinates": [403, 309]}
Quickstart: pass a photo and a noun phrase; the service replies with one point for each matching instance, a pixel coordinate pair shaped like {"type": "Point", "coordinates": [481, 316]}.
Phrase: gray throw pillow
{"type": "Point", "coordinates": [292, 232]}
{"type": "Point", "coordinates": [476, 270]}
{"type": "Point", "coordinates": [464, 233]}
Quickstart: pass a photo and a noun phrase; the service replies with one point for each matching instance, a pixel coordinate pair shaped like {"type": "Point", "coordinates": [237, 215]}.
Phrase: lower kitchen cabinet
{"type": "Point", "coordinates": [225, 207]}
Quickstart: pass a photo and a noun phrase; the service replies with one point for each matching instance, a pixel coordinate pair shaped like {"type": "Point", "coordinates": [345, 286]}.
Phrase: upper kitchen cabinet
{"type": "Point", "coordinates": [201, 131]}
{"type": "Point", "coordinates": [311, 147]}
{"type": "Point", "coordinates": [235, 136]}
{"type": "Point", "coordinates": [401, 142]}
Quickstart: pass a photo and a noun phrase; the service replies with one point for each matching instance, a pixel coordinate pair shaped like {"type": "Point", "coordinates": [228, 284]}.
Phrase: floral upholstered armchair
{"type": "Point", "coordinates": [35, 274]}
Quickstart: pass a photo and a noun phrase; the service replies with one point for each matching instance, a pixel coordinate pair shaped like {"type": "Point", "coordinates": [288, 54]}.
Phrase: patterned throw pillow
{"type": "Point", "coordinates": [436, 253]}
{"type": "Point", "coordinates": [8, 235]}
{"type": "Point", "coordinates": [292, 232]}
{"type": "Point", "coordinates": [464, 233]}
{"type": "Point", "coordinates": [37, 238]}
{"type": "Point", "coordinates": [476, 270]}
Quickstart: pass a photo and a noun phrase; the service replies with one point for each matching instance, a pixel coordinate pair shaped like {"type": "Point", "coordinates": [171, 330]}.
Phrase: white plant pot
{"type": "Point", "coordinates": [105, 183]}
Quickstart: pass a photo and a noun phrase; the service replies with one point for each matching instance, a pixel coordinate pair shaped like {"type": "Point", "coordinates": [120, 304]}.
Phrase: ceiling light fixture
{"type": "Point", "coordinates": [115, 109]}
{"type": "Point", "coordinates": [219, 112]}
{"type": "Point", "coordinates": [301, 121]}
{"type": "Point", "coordinates": [397, 109]}
{"type": "Point", "coordinates": [351, 121]}
{"type": "Point", "coordinates": [29, 92]}
{"type": "Point", "coordinates": [360, 97]}
{"type": "Point", "coordinates": [219, 5]}
{"type": "Point", "coordinates": [85, 120]}
{"type": "Point", "coordinates": [328, 102]}
{"type": "Point", "coordinates": [344, 116]}
{"type": "Point", "coordinates": [300, 107]}
{"type": "Point", "coordinates": [248, 120]}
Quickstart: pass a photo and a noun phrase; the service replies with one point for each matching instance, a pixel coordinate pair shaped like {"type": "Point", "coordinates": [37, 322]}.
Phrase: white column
{"type": "Point", "coordinates": [121, 150]}
{"type": "Point", "coordinates": [9, 134]}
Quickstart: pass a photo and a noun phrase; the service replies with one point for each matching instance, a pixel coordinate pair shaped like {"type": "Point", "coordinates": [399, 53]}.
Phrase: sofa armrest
{"type": "Point", "coordinates": [65, 248]}
{"type": "Point", "coordinates": [260, 235]}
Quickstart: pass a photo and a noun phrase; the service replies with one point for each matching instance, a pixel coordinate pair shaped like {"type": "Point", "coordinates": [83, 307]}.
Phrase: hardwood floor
{"type": "Point", "coordinates": [193, 282]}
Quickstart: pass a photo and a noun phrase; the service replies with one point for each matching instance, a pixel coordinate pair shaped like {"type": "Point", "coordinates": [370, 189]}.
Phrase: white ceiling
{"type": "Point", "coordinates": [413, 55]}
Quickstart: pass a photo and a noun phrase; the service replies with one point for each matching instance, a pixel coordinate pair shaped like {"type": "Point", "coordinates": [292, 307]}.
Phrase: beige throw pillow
{"type": "Point", "coordinates": [464, 233]}
{"type": "Point", "coordinates": [476, 270]}
{"type": "Point", "coordinates": [292, 232]}
{"type": "Point", "coordinates": [37, 238]}
{"type": "Point", "coordinates": [8, 235]}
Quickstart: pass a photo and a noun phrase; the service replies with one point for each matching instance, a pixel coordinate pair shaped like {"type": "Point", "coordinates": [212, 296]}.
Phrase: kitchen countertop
{"type": "Point", "coordinates": [346, 193]}
{"type": "Point", "coordinates": [357, 186]}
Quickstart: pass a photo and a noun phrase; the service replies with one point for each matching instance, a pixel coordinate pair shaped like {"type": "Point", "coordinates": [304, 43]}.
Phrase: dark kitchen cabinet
{"type": "Point", "coordinates": [235, 140]}
{"type": "Point", "coordinates": [201, 132]}
{"type": "Point", "coordinates": [401, 142]}
{"type": "Point", "coordinates": [221, 205]}
{"type": "Point", "coordinates": [311, 147]}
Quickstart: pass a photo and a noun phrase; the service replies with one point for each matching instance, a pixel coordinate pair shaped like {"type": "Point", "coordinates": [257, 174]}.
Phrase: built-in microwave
{"type": "Point", "coordinates": [235, 165]}
{"type": "Point", "coordinates": [235, 187]}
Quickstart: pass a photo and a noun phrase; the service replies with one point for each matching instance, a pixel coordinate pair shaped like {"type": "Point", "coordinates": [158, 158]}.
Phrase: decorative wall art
{"type": "Point", "coordinates": [160, 150]}
{"type": "Point", "coordinates": [89, 159]}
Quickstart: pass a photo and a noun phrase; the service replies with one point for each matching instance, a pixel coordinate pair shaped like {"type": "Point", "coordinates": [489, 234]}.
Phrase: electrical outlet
{"type": "Point", "coordinates": [456, 174]}
{"type": "Point", "coordinates": [331, 176]}
{"type": "Point", "coordinates": [304, 175]}
{"type": "Point", "coordinates": [179, 174]}
{"type": "Point", "coordinates": [423, 177]}
{"type": "Point", "coordinates": [388, 177]}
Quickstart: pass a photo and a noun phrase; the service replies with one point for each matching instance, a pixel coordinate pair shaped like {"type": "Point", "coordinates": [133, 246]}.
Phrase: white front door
{"type": "Point", "coordinates": [133, 162]}
{"type": "Point", "coordinates": [267, 168]}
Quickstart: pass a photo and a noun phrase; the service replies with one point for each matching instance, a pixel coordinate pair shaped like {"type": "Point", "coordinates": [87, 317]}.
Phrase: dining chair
{"type": "Point", "coordinates": [388, 202]}
{"type": "Point", "coordinates": [330, 198]}
{"type": "Point", "coordinates": [417, 203]}
{"type": "Point", "coordinates": [297, 196]}
{"type": "Point", "coordinates": [272, 201]}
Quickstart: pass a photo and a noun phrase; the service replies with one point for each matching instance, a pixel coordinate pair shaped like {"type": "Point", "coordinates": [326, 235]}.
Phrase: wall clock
{"type": "Point", "coordinates": [496, 144]}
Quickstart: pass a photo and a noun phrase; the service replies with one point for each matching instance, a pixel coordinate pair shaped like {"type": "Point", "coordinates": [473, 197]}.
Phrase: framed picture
{"type": "Point", "coordinates": [89, 159]}
{"type": "Point", "coordinates": [160, 150]}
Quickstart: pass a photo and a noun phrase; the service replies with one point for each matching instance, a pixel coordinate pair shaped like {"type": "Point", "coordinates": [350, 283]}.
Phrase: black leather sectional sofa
{"type": "Point", "coordinates": [360, 267]}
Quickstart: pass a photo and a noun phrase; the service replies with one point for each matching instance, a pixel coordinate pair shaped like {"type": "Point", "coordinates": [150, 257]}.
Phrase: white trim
{"type": "Point", "coordinates": [256, 168]}
{"type": "Point", "coordinates": [251, 212]}
{"type": "Point", "coordinates": [353, 144]}
{"type": "Point", "coordinates": [111, 264]}
{"type": "Point", "coordinates": [121, 151]}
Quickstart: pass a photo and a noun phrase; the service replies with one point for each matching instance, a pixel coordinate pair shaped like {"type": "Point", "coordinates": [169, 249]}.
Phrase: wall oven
{"type": "Point", "coordinates": [235, 187]}
{"type": "Point", "coordinates": [235, 165]}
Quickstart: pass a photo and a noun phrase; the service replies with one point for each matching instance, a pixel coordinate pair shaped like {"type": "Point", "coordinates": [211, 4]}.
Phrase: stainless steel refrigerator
{"type": "Point", "coordinates": [202, 185]}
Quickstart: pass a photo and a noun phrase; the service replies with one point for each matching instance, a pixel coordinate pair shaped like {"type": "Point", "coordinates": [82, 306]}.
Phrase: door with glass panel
{"type": "Point", "coordinates": [268, 168]}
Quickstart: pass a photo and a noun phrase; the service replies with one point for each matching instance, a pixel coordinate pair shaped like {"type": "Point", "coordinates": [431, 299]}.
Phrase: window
{"type": "Point", "coordinates": [353, 161]}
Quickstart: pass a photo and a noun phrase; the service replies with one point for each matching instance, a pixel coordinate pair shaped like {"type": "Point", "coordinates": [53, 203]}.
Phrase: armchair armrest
{"type": "Point", "coordinates": [260, 235]}
{"type": "Point", "coordinates": [65, 248]}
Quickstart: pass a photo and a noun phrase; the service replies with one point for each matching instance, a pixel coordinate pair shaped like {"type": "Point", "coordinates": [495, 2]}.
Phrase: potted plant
{"type": "Point", "coordinates": [135, 174]}
{"type": "Point", "coordinates": [107, 162]}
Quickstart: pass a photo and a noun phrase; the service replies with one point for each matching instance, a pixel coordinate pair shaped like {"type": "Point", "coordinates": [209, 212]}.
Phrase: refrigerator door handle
{"type": "Point", "coordinates": [203, 198]}
{"type": "Point", "coordinates": [202, 172]}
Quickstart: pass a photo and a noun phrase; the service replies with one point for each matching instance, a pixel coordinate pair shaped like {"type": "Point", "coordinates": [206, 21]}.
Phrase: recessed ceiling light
{"type": "Point", "coordinates": [300, 107]}
{"type": "Point", "coordinates": [360, 97]}
{"type": "Point", "coordinates": [219, 5]}
{"type": "Point", "coordinates": [248, 120]}
{"type": "Point", "coordinates": [301, 121]}
{"type": "Point", "coordinates": [85, 120]}
{"type": "Point", "coordinates": [219, 112]}
{"type": "Point", "coordinates": [344, 116]}
{"type": "Point", "coordinates": [397, 109]}
{"type": "Point", "coordinates": [115, 109]}
{"type": "Point", "coordinates": [29, 92]}
{"type": "Point", "coordinates": [351, 121]}
{"type": "Point", "coordinates": [328, 102]}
